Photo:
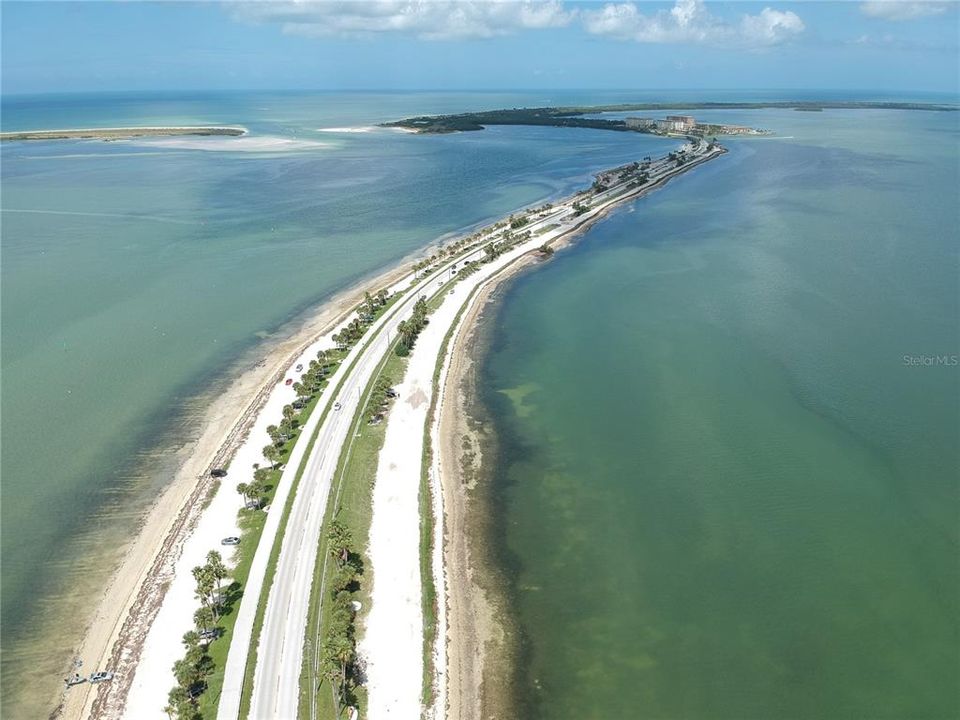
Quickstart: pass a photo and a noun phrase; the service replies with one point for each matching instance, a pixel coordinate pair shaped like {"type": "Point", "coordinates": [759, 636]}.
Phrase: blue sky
{"type": "Point", "coordinates": [885, 45]}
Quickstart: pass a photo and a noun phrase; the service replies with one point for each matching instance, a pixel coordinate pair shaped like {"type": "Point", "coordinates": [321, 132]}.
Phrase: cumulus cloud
{"type": "Point", "coordinates": [427, 19]}
{"type": "Point", "coordinates": [689, 21]}
{"type": "Point", "coordinates": [901, 9]}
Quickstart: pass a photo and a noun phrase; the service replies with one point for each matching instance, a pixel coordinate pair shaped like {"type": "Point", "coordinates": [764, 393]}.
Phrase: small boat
{"type": "Point", "coordinates": [75, 679]}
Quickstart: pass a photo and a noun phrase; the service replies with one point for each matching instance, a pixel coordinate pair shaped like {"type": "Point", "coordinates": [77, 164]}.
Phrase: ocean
{"type": "Point", "coordinates": [725, 476]}
{"type": "Point", "coordinates": [728, 359]}
{"type": "Point", "coordinates": [139, 277]}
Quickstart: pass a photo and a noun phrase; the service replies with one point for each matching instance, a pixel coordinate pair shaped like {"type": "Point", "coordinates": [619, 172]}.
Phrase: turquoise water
{"type": "Point", "coordinates": [138, 277]}
{"type": "Point", "coordinates": [722, 491]}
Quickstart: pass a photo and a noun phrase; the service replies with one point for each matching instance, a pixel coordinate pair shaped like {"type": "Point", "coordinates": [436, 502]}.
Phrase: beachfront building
{"type": "Point", "coordinates": [681, 123]}
{"type": "Point", "coordinates": [637, 123]}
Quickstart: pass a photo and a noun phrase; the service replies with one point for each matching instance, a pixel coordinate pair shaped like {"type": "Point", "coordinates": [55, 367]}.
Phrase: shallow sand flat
{"type": "Point", "coordinates": [250, 144]}
{"type": "Point", "coordinates": [121, 133]}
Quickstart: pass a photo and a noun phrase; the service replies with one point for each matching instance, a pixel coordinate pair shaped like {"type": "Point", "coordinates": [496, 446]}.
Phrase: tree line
{"type": "Point", "coordinates": [338, 649]}
{"type": "Point", "coordinates": [193, 669]}
{"type": "Point", "coordinates": [410, 329]}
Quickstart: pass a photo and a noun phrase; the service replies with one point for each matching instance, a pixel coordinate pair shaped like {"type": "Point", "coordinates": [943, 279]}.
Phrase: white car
{"type": "Point", "coordinates": [232, 540]}
{"type": "Point", "coordinates": [337, 406]}
{"type": "Point", "coordinates": [100, 677]}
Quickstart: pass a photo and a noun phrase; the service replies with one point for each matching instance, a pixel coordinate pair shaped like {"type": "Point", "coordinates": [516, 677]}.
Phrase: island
{"type": "Point", "coordinates": [574, 116]}
{"type": "Point", "coordinates": [119, 133]}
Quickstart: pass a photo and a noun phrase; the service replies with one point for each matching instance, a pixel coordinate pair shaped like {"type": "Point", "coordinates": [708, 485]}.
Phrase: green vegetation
{"type": "Point", "coordinates": [338, 652]}
{"type": "Point", "coordinates": [410, 329]}
{"type": "Point", "coordinates": [193, 670]}
{"type": "Point", "coordinates": [579, 208]}
{"type": "Point", "coordinates": [573, 116]}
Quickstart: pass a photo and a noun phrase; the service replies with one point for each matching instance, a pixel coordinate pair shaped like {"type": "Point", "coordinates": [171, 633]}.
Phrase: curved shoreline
{"type": "Point", "coordinates": [477, 640]}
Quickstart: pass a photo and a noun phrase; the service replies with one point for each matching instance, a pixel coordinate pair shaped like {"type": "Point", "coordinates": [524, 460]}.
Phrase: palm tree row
{"type": "Point", "coordinates": [410, 329]}
{"type": "Point", "coordinates": [191, 673]}
{"type": "Point", "coordinates": [338, 651]}
{"type": "Point", "coordinates": [254, 493]}
{"type": "Point", "coordinates": [196, 666]}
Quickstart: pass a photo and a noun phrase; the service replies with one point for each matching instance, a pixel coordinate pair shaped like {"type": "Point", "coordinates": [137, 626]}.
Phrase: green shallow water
{"type": "Point", "coordinates": [138, 277]}
{"type": "Point", "coordinates": [720, 489]}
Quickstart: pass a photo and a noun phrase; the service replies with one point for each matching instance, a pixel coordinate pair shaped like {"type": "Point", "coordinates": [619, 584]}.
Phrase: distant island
{"type": "Point", "coordinates": [119, 133]}
{"type": "Point", "coordinates": [573, 116]}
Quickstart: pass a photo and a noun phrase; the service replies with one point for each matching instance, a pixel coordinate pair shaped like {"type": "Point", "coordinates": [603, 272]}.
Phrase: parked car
{"type": "Point", "coordinates": [289, 381]}
{"type": "Point", "coordinates": [337, 406]}
{"type": "Point", "coordinates": [99, 677]}
{"type": "Point", "coordinates": [209, 634]}
{"type": "Point", "coordinates": [218, 472]}
{"type": "Point", "coordinates": [232, 540]}
{"type": "Point", "coordinates": [299, 368]}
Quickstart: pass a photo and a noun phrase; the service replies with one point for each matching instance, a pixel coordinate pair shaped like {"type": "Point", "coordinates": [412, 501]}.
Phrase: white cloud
{"type": "Point", "coordinates": [689, 21]}
{"type": "Point", "coordinates": [428, 19]}
{"type": "Point", "coordinates": [901, 9]}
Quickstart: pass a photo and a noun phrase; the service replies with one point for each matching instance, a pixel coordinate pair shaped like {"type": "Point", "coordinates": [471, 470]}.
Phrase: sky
{"type": "Point", "coordinates": [81, 46]}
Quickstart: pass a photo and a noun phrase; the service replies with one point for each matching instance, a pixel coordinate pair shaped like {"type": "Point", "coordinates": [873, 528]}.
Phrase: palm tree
{"type": "Point", "coordinates": [330, 670]}
{"type": "Point", "coordinates": [274, 433]}
{"type": "Point", "coordinates": [177, 699]}
{"type": "Point", "coordinates": [203, 618]}
{"type": "Point", "coordinates": [218, 570]}
{"type": "Point", "coordinates": [336, 653]}
{"type": "Point", "coordinates": [185, 674]}
{"type": "Point", "coordinates": [339, 537]}
{"type": "Point", "coordinates": [271, 453]}
{"type": "Point", "coordinates": [204, 590]}
{"type": "Point", "coordinates": [257, 490]}
{"type": "Point", "coordinates": [244, 490]}
{"type": "Point", "coordinates": [191, 640]}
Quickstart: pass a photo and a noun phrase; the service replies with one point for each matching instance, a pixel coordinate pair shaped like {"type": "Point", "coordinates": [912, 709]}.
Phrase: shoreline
{"type": "Point", "coordinates": [121, 133]}
{"type": "Point", "coordinates": [478, 640]}
{"type": "Point", "coordinates": [480, 634]}
{"type": "Point", "coordinates": [113, 635]}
